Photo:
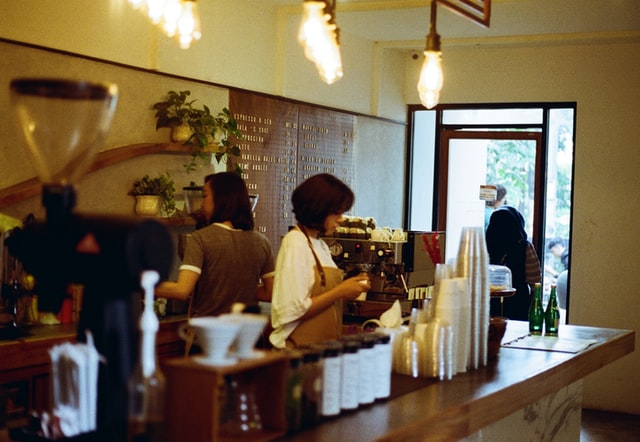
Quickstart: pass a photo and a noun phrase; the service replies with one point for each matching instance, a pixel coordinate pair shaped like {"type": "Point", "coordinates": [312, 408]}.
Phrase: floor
{"type": "Point", "coordinates": [604, 426]}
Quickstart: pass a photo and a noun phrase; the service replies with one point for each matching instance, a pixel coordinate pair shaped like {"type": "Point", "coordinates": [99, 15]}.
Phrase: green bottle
{"type": "Point", "coordinates": [552, 315]}
{"type": "Point", "coordinates": [536, 313]}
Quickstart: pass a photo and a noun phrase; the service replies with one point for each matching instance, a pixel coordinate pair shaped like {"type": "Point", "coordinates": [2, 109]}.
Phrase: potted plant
{"type": "Point", "coordinates": [208, 133]}
{"type": "Point", "coordinates": [154, 194]}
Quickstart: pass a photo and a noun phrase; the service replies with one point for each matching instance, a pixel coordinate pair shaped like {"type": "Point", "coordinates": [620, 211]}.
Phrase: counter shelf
{"type": "Point", "coordinates": [25, 364]}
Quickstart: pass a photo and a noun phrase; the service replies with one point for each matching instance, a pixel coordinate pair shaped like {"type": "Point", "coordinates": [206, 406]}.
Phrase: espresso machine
{"type": "Point", "coordinates": [64, 123]}
{"type": "Point", "coordinates": [398, 270]}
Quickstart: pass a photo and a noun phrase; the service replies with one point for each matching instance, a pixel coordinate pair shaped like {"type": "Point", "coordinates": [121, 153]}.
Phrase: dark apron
{"type": "Point", "coordinates": [326, 325]}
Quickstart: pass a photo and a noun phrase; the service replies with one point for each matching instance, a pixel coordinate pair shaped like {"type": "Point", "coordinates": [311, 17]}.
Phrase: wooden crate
{"type": "Point", "coordinates": [194, 397]}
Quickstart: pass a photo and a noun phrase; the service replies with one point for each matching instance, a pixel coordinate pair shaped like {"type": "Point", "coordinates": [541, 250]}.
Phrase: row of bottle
{"type": "Point", "coordinates": [540, 319]}
{"type": "Point", "coordinates": [338, 376]}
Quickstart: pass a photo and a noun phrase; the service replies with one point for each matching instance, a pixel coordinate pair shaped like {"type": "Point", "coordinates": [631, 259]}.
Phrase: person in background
{"type": "Point", "coordinates": [309, 287]}
{"type": "Point", "coordinates": [225, 261]}
{"type": "Point", "coordinates": [558, 248]}
{"type": "Point", "coordinates": [490, 206]}
{"type": "Point", "coordinates": [508, 245]}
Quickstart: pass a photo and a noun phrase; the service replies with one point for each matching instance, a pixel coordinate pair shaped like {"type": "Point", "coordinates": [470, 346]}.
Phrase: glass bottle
{"type": "Point", "coordinates": [147, 384]}
{"type": "Point", "coordinates": [331, 374]}
{"type": "Point", "coordinates": [241, 415]}
{"type": "Point", "coordinates": [349, 375]}
{"type": "Point", "coordinates": [311, 386]}
{"type": "Point", "coordinates": [383, 364]}
{"type": "Point", "coordinates": [366, 368]}
{"type": "Point", "coordinates": [293, 393]}
{"type": "Point", "coordinates": [552, 315]}
{"type": "Point", "coordinates": [536, 313]}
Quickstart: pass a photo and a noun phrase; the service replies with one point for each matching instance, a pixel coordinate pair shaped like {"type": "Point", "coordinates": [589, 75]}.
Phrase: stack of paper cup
{"type": "Point", "coordinates": [448, 310]}
{"type": "Point", "coordinates": [436, 350]}
{"type": "Point", "coordinates": [464, 325]}
{"type": "Point", "coordinates": [473, 264]}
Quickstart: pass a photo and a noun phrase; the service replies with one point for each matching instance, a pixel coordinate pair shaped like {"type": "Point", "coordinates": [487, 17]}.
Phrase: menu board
{"type": "Point", "coordinates": [325, 143]}
{"type": "Point", "coordinates": [284, 144]}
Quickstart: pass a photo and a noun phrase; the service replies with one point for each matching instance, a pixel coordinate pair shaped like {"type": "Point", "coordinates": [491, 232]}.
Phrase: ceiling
{"type": "Point", "coordinates": [405, 23]}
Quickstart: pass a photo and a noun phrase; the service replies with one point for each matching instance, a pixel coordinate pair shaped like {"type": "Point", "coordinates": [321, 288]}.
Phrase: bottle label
{"type": "Point", "coordinates": [349, 387]}
{"type": "Point", "coordinates": [330, 404]}
{"type": "Point", "coordinates": [383, 371]}
{"type": "Point", "coordinates": [366, 376]}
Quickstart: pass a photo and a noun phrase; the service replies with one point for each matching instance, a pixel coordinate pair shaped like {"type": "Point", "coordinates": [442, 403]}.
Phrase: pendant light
{"type": "Point", "coordinates": [178, 19]}
{"type": "Point", "coordinates": [431, 78]}
{"type": "Point", "coordinates": [319, 35]}
{"type": "Point", "coordinates": [188, 24]}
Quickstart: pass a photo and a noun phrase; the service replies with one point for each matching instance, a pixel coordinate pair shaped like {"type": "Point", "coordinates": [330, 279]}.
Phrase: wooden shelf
{"type": "Point", "coordinates": [31, 187]}
{"type": "Point", "coordinates": [195, 397]}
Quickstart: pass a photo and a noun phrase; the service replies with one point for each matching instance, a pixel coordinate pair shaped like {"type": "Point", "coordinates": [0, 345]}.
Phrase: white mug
{"type": "Point", "coordinates": [398, 235]}
{"type": "Point", "coordinates": [381, 235]}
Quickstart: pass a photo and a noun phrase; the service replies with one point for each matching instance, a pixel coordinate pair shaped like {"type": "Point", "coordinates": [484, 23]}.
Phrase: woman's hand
{"type": "Point", "coordinates": [353, 287]}
{"type": "Point", "coordinates": [348, 289]}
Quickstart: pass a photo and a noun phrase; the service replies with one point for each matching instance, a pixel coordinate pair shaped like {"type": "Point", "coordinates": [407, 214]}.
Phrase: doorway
{"type": "Point", "coordinates": [528, 148]}
{"type": "Point", "coordinates": [459, 202]}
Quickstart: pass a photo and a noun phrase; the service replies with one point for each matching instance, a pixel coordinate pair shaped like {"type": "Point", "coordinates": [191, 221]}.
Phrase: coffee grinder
{"type": "Point", "coordinates": [64, 123]}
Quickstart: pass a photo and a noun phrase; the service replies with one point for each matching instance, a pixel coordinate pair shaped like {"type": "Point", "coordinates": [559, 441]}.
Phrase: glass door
{"type": "Point", "coordinates": [468, 160]}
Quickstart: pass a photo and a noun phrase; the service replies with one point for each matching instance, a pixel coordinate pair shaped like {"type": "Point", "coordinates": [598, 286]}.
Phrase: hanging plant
{"type": "Point", "coordinates": [210, 134]}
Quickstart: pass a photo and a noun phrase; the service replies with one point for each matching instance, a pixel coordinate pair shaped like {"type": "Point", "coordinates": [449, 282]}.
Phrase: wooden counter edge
{"type": "Point", "coordinates": [33, 351]}
{"type": "Point", "coordinates": [468, 418]}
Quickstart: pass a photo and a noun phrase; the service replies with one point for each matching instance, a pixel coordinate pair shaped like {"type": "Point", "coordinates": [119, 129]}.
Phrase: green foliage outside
{"type": "Point", "coordinates": [512, 164]}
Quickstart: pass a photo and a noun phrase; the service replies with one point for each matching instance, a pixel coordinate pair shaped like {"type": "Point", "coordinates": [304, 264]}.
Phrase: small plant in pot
{"type": "Point", "coordinates": [154, 194]}
{"type": "Point", "coordinates": [208, 133]}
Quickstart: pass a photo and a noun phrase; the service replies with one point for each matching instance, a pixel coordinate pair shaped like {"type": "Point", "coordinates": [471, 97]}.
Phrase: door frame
{"type": "Point", "coordinates": [442, 159]}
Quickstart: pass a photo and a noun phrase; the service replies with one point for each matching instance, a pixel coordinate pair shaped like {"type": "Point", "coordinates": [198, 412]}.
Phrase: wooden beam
{"type": "Point", "coordinates": [31, 187]}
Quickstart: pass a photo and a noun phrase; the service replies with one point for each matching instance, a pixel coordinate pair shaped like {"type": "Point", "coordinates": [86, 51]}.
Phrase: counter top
{"type": "Point", "coordinates": [454, 409]}
{"type": "Point", "coordinates": [31, 347]}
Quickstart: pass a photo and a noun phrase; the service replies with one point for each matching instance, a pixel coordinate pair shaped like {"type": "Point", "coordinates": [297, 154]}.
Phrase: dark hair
{"type": "Point", "coordinates": [230, 200]}
{"type": "Point", "coordinates": [554, 242]}
{"type": "Point", "coordinates": [501, 192]}
{"type": "Point", "coordinates": [318, 197]}
{"type": "Point", "coordinates": [505, 230]}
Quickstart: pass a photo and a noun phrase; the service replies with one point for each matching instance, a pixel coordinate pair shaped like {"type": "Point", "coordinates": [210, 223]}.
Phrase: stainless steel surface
{"type": "Point", "coordinates": [394, 267]}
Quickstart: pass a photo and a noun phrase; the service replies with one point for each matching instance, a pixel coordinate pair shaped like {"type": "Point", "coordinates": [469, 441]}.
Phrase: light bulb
{"type": "Point", "coordinates": [330, 66]}
{"type": "Point", "coordinates": [138, 4]}
{"type": "Point", "coordinates": [431, 79]}
{"type": "Point", "coordinates": [170, 16]}
{"type": "Point", "coordinates": [155, 8]}
{"type": "Point", "coordinates": [318, 37]}
{"type": "Point", "coordinates": [188, 24]}
{"type": "Point", "coordinates": [312, 34]}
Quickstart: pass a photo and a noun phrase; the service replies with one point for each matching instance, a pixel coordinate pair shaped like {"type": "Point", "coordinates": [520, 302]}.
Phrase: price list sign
{"type": "Point", "coordinates": [268, 158]}
{"type": "Point", "coordinates": [325, 143]}
{"type": "Point", "coordinates": [284, 144]}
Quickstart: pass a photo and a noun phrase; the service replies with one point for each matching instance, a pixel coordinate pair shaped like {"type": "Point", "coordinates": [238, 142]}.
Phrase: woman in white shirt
{"type": "Point", "coordinates": [308, 286]}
